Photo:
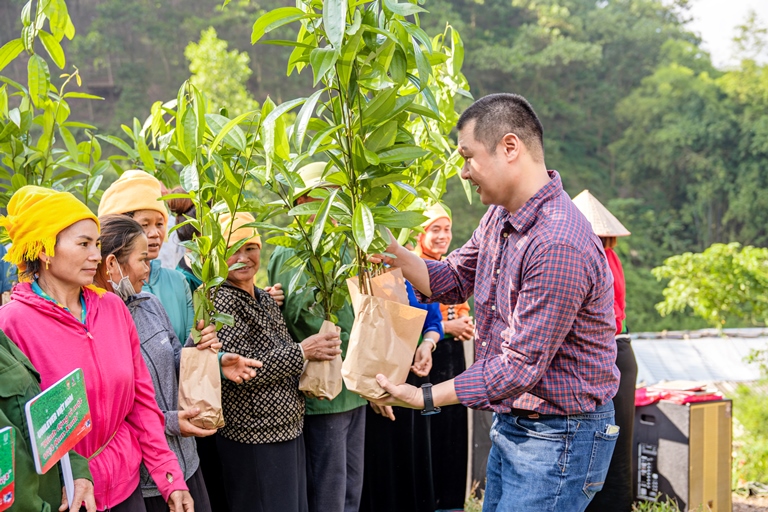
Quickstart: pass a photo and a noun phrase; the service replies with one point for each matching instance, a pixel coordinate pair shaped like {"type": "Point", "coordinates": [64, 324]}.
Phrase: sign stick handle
{"type": "Point", "coordinates": [69, 481]}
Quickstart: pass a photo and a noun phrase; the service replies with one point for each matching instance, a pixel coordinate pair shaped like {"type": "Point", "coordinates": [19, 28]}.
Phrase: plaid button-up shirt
{"type": "Point", "coordinates": [544, 308]}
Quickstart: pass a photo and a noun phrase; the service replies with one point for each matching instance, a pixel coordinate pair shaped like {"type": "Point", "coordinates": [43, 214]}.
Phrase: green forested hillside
{"type": "Point", "coordinates": [632, 107]}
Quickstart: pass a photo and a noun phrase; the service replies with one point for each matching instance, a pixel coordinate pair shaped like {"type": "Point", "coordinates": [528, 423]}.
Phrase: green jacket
{"type": "Point", "coordinates": [19, 382]}
{"type": "Point", "coordinates": [303, 324]}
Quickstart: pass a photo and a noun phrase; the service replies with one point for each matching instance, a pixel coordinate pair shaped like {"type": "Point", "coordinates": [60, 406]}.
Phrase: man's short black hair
{"type": "Point", "coordinates": [496, 115]}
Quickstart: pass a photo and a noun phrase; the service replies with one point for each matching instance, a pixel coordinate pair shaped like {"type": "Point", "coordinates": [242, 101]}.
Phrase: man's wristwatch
{"type": "Point", "coordinates": [429, 405]}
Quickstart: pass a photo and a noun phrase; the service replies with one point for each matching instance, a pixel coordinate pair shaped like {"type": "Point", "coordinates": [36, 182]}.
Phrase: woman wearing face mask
{"type": "Point", "coordinates": [448, 429]}
{"type": "Point", "coordinates": [61, 322]}
{"type": "Point", "coordinates": [122, 270]}
{"type": "Point", "coordinates": [137, 195]}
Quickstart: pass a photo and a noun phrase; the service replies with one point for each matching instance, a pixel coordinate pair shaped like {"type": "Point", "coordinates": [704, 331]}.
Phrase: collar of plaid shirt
{"type": "Point", "coordinates": [543, 304]}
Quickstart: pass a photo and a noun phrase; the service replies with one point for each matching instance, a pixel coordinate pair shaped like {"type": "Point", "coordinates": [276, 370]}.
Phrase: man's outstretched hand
{"type": "Point", "coordinates": [403, 395]}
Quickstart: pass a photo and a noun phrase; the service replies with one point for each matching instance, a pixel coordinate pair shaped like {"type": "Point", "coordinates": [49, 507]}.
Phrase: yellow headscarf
{"type": "Point", "coordinates": [233, 228]}
{"type": "Point", "coordinates": [134, 190]}
{"type": "Point", "coordinates": [35, 216]}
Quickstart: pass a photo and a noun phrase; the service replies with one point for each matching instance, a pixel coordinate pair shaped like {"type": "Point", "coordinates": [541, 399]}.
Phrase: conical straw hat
{"type": "Point", "coordinates": [603, 222]}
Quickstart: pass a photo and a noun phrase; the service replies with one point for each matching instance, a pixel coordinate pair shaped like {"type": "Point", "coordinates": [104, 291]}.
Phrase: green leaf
{"type": "Point", "coordinates": [310, 208]}
{"type": "Point", "coordinates": [401, 154]}
{"type": "Point", "coordinates": [223, 318]}
{"type": "Point", "coordinates": [145, 154]}
{"type": "Point", "coordinates": [58, 17]}
{"type": "Point", "coordinates": [403, 9]}
{"type": "Point", "coordinates": [318, 227]}
{"type": "Point", "coordinates": [322, 60]}
{"type": "Point", "coordinates": [302, 120]}
{"type": "Point", "coordinates": [83, 95]}
{"type": "Point", "coordinates": [38, 78]}
{"type": "Point", "coordinates": [18, 181]}
{"type": "Point", "coordinates": [283, 42]}
{"type": "Point", "coordinates": [10, 51]}
{"type": "Point", "coordinates": [321, 137]}
{"type": "Point", "coordinates": [237, 140]}
{"type": "Point", "coordinates": [379, 108]}
{"type": "Point", "coordinates": [383, 137]}
{"type": "Point", "coordinates": [418, 33]}
{"type": "Point", "coordinates": [457, 54]}
{"type": "Point", "coordinates": [429, 98]}
{"type": "Point", "coordinates": [275, 19]}
{"type": "Point", "coordinates": [189, 178]}
{"type": "Point", "coordinates": [53, 48]}
{"type": "Point", "coordinates": [69, 31]}
{"type": "Point", "coordinates": [4, 100]}
{"type": "Point", "coordinates": [120, 144]}
{"type": "Point", "coordinates": [282, 241]}
{"type": "Point", "coordinates": [236, 137]}
{"type": "Point", "coordinates": [422, 111]}
{"type": "Point", "coordinates": [399, 220]}
{"type": "Point", "coordinates": [398, 68]}
{"type": "Point", "coordinates": [467, 190]}
{"type": "Point", "coordinates": [363, 226]}
{"type": "Point", "coordinates": [77, 124]}
{"type": "Point", "coordinates": [335, 21]}
{"type": "Point", "coordinates": [422, 64]}
{"type": "Point", "coordinates": [347, 58]}
{"type": "Point", "coordinates": [69, 141]}
{"type": "Point", "coordinates": [186, 135]}
{"type": "Point", "coordinates": [282, 109]}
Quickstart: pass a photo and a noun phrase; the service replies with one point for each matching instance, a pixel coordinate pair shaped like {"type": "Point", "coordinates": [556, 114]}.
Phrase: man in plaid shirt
{"type": "Point", "coordinates": [544, 344]}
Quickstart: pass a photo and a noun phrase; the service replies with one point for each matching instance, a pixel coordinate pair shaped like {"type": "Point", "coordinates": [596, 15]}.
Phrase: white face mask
{"type": "Point", "coordinates": [124, 289]}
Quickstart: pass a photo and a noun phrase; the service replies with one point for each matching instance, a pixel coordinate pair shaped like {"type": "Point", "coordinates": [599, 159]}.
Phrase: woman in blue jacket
{"type": "Point", "coordinates": [398, 466]}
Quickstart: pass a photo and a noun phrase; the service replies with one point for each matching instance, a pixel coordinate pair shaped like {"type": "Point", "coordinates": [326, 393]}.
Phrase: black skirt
{"type": "Point", "coordinates": [398, 464]}
{"type": "Point", "coordinates": [449, 431]}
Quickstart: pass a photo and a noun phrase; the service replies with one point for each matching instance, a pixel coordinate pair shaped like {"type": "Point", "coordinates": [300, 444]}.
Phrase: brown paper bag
{"type": "Point", "coordinates": [390, 285]}
{"type": "Point", "coordinates": [383, 338]}
{"type": "Point", "coordinates": [323, 378]}
{"type": "Point", "coordinates": [200, 386]}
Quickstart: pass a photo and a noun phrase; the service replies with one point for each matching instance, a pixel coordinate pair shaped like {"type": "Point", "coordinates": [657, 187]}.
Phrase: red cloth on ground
{"type": "Point", "coordinates": [619, 288]}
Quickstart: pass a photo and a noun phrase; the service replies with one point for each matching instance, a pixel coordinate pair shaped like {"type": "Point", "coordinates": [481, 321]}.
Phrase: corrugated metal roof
{"type": "Point", "coordinates": [698, 355]}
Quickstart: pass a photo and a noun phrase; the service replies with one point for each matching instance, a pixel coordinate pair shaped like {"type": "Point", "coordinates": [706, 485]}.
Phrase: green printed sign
{"type": "Point", "coordinates": [59, 418]}
{"type": "Point", "coordinates": [7, 467]}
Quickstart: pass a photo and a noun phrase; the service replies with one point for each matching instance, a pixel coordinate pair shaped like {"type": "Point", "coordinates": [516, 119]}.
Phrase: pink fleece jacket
{"type": "Point", "coordinates": [119, 387]}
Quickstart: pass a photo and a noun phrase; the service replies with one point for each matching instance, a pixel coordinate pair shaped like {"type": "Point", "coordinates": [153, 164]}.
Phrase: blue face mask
{"type": "Point", "coordinates": [124, 289]}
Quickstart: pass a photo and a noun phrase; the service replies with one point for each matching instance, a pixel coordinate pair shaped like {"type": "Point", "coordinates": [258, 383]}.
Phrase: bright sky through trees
{"type": "Point", "coordinates": [716, 21]}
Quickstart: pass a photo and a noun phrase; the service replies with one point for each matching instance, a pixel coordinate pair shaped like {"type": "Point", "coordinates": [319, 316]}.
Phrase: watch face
{"type": "Point", "coordinates": [434, 411]}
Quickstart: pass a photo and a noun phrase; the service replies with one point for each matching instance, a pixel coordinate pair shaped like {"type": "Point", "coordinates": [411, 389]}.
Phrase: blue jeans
{"type": "Point", "coordinates": [549, 463]}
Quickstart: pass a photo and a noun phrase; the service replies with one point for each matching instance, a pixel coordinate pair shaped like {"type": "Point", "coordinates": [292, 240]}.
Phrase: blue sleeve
{"type": "Point", "coordinates": [7, 272]}
{"type": "Point", "coordinates": [434, 319]}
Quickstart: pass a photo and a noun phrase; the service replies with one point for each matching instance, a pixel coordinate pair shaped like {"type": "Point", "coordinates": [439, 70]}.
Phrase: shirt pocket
{"type": "Point", "coordinates": [17, 387]}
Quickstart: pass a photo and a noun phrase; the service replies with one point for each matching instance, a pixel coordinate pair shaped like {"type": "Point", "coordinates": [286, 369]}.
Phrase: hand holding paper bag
{"type": "Point", "coordinates": [384, 335]}
{"type": "Point", "coordinates": [322, 379]}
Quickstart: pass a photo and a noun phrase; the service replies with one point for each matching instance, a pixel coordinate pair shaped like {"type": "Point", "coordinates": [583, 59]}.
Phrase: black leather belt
{"type": "Point", "coordinates": [524, 413]}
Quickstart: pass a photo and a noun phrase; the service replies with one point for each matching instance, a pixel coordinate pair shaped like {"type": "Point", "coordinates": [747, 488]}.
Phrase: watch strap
{"type": "Point", "coordinates": [429, 404]}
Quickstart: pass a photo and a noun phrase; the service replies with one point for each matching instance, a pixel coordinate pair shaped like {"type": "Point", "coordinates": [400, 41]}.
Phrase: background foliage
{"type": "Point", "coordinates": [632, 107]}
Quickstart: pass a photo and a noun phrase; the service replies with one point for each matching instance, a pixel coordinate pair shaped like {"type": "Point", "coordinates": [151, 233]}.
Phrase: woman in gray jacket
{"type": "Point", "coordinates": [123, 269]}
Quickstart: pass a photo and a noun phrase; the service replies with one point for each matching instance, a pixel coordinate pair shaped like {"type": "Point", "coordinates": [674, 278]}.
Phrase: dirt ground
{"type": "Point", "coordinates": [750, 504]}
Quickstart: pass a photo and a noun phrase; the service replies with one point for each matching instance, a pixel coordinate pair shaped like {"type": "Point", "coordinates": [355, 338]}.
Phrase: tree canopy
{"type": "Point", "coordinates": [632, 107]}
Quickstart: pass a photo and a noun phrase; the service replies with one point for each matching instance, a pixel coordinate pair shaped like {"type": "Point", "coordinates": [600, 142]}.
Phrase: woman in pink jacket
{"type": "Point", "coordinates": [62, 322]}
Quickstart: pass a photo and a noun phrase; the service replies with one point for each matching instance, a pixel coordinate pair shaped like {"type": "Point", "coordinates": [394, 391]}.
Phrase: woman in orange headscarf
{"type": "Point", "coordinates": [449, 429]}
